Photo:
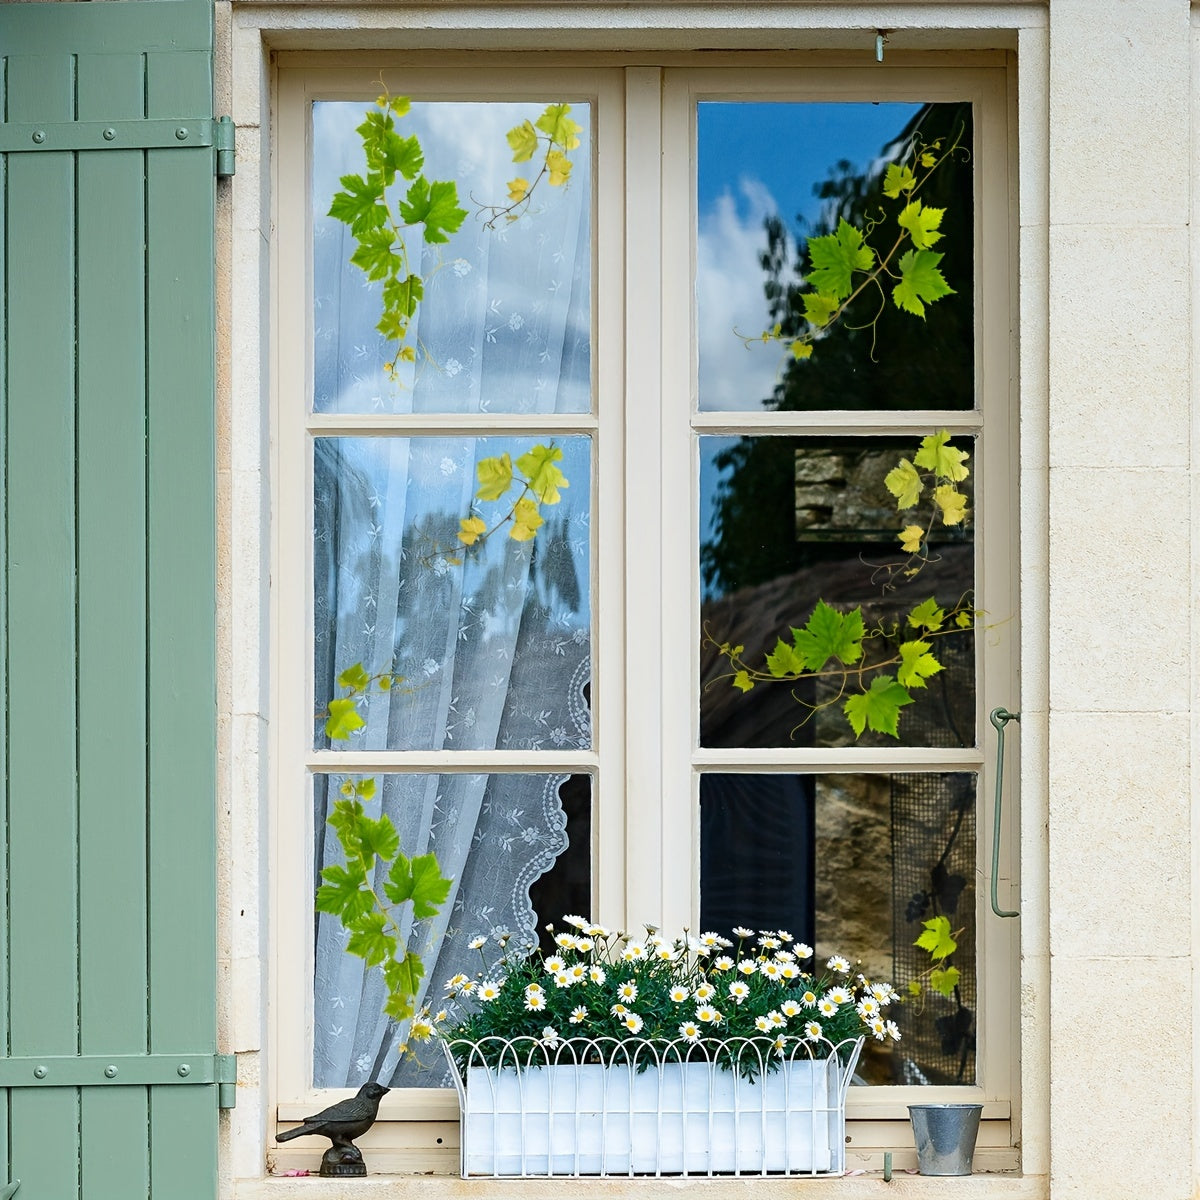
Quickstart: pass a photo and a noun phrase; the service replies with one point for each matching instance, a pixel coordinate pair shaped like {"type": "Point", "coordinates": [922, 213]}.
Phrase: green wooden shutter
{"type": "Point", "coordinates": [107, 1010]}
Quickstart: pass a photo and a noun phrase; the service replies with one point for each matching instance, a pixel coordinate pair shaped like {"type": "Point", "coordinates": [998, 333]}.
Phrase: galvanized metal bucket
{"type": "Point", "coordinates": [945, 1136]}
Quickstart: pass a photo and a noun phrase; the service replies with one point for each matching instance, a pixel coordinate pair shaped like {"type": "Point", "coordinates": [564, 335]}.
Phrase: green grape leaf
{"type": "Point", "coordinates": [835, 257]}
{"type": "Point", "coordinates": [801, 349]}
{"type": "Point", "coordinates": [937, 455]}
{"type": "Point", "coordinates": [379, 837]}
{"type": "Point", "coordinates": [819, 308]}
{"type": "Point", "coordinates": [434, 205]}
{"type": "Point", "coordinates": [559, 127]}
{"type": "Point", "coordinates": [344, 892]}
{"type": "Point", "coordinates": [922, 223]}
{"type": "Point", "coordinates": [784, 661]}
{"type": "Point", "coordinates": [355, 678]}
{"type": "Point", "coordinates": [829, 634]}
{"type": "Point", "coordinates": [397, 104]}
{"type": "Point", "coordinates": [544, 478]}
{"type": "Point", "coordinates": [904, 482]}
{"type": "Point", "coordinates": [470, 530]}
{"type": "Point", "coordinates": [429, 887]}
{"type": "Point", "coordinates": [344, 821]}
{"type": "Point", "coordinates": [743, 682]}
{"type": "Point", "coordinates": [523, 140]}
{"type": "Point", "coordinates": [878, 707]}
{"type": "Point", "coordinates": [937, 939]}
{"type": "Point", "coordinates": [359, 204]}
{"type": "Point", "coordinates": [495, 477]}
{"type": "Point", "coordinates": [914, 987]}
{"type": "Point", "coordinates": [927, 615]}
{"type": "Point", "coordinates": [898, 179]}
{"type": "Point", "coordinates": [402, 976]}
{"type": "Point", "coordinates": [965, 619]}
{"type": "Point", "coordinates": [401, 295]}
{"type": "Point", "coordinates": [399, 156]}
{"type": "Point", "coordinates": [369, 938]}
{"type": "Point", "coordinates": [944, 981]}
{"type": "Point", "coordinates": [526, 520]}
{"type": "Point", "coordinates": [374, 254]}
{"type": "Point", "coordinates": [419, 880]}
{"type": "Point", "coordinates": [365, 788]}
{"type": "Point", "coordinates": [920, 280]}
{"type": "Point", "coordinates": [343, 719]}
{"type": "Point", "coordinates": [916, 664]}
{"type": "Point", "coordinates": [952, 503]}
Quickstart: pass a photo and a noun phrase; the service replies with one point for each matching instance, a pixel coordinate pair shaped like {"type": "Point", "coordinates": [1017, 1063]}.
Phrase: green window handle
{"type": "Point", "coordinates": [10, 1190]}
{"type": "Point", "coordinates": [1000, 717]}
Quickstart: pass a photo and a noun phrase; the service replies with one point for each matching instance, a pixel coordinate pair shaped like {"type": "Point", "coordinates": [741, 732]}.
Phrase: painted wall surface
{"type": "Point", "coordinates": [1105, 155]}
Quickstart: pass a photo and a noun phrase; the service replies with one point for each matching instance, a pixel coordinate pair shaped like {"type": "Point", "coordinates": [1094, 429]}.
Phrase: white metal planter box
{"type": "Point", "coordinates": [541, 1111]}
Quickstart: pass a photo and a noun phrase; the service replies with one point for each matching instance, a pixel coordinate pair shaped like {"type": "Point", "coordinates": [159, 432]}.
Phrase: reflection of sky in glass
{"type": "Point", "coordinates": [513, 302]}
{"type": "Point", "coordinates": [756, 159]}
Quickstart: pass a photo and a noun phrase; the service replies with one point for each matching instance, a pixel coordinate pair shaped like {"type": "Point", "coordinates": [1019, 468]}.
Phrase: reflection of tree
{"type": "Point", "coordinates": [898, 363]}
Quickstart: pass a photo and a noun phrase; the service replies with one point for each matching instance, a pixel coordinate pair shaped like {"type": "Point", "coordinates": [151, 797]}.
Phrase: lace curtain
{"type": "Point", "coordinates": [494, 646]}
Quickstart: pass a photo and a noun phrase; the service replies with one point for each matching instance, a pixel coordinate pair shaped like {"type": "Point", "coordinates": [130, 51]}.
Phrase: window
{"type": "Point", "coordinates": [564, 734]}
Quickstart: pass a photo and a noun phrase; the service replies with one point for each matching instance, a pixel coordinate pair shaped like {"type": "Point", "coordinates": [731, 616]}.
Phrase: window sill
{"type": "Point", "coordinates": [870, 1186]}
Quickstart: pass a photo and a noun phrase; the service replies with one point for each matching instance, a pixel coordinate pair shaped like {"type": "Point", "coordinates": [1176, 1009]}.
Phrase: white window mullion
{"type": "Point", "coordinates": [645, 776]}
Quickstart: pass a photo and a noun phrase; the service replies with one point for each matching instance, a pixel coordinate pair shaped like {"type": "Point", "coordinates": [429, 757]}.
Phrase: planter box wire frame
{"type": "Point", "coordinates": [629, 1106]}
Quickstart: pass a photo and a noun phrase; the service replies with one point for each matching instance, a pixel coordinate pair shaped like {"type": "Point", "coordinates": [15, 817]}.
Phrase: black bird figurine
{"type": "Point", "coordinates": [341, 1123]}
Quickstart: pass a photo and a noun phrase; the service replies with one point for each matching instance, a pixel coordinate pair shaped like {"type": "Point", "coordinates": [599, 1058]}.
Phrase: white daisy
{"type": "Point", "coordinates": [839, 995]}
{"type": "Point", "coordinates": [578, 922]}
{"type": "Point", "coordinates": [812, 1030]}
{"type": "Point", "coordinates": [748, 966]}
{"type": "Point", "coordinates": [776, 1018]}
{"type": "Point", "coordinates": [534, 1001]}
{"type": "Point", "coordinates": [633, 1022]}
{"type": "Point", "coordinates": [771, 970]}
{"type": "Point", "coordinates": [477, 943]}
{"type": "Point", "coordinates": [838, 963]}
{"type": "Point", "coordinates": [567, 941]}
{"type": "Point", "coordinates": [893, 1031]}
{"type": "Point", "coordinates": [578, 1015]}
{"type": "Point", "coordinates": [705, 991]}
{"type": "Point", "coordinates": [452, 985]}
{"type": "Point", "coordinates": [803, 951]}
{"type": "Point", "coordinates": [739, 990]}
{"type": "Point", "coordinates": [628, 990]}
{"type": "Point", "coordinates": [724, 963]}
{"type": "Point", "coordinates": [550, 1036]}
{"type": "Point", "coordinates": [742, 932]}
{"type": "Point", "coordinates": [679, 993]}
{"type": "Point", "coordinates": [707, 1014]}
{"type": "Point", "coordinates": [790, 1008]}
{"type": "Point", "coordinates": [878, 1026]}
{"type": "Point", "coordinates": [809, 999]}
{"type": "Point", "coordinates": [554, 965]}
{"type": "Point", "coordinates": [488, 991]}
{"type": "Point", "coordinates": [421, 1029]}
{"type": "Point", "coordinates": [690, 1031]}
{"type": "Point", "coordinates": [762, 1024]}
{"type": "Point", "coordinates": [634, 952]}
{"type": "Point", "coordinates": [563, 980]}
{"type": "Point", "coordinates": [597, 974]}
{"type": "Point", "coordinates": [618, 1010]}
{"type": "Point", "coordinates": [826, 1007]}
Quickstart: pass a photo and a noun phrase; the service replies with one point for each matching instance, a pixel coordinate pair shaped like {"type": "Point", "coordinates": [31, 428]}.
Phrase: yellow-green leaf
{"type": "Point", "coordinates": [910, 539]}
{"type": "Point", "coordinates": [526, 520]}
{"type": "Point", "coordinates": [944, 981]}
{"type": "Point", "coordinates": [517, 189]}
{"type": "Point", "coordinates": [523, 141]}
{"type": "Point", "coordinates": [559, 127]}
{"type": "Point", "coordinates": [898, 179]}
{"type": "Point", "coordinates": [495, 477]}
{"type": "Point", "coordinates": [470, 530]}
{"type": "Point", "coordinates": [355, 678]}
{"type": "Point", "coordinates": [916, 664]}
{"type": "Point", "coordinates": [922, 223]}
{"type": "Point", "coordinates": [952, 503]}
{"type": "Point", "coordinates": [904, 482]}
{"type": "Point", "coordinates": [835, 257]}
{"type": "Point", "coordinates": [801, 350]}
{"type": "Point", "coordinates": [921, 282]}
{"type": "Point", "coordinates": [944, 460]}
{"type": "Point", "coordinates": [878, 707]}
{"type": "Point", "coordinates": [559, 167]}
{"type": "Point", "coordinates": [937, 939]}
{"type": "Point", "coordinates": [343, 719]}
{"type": "Point", "coordinates": [544, 478]}
{"type": "Point", "coordinates": [743, 682]}
{"type": "Point", "coordinates": [927, 615]}
{"type": "Point", "coordinates": [819, 309]}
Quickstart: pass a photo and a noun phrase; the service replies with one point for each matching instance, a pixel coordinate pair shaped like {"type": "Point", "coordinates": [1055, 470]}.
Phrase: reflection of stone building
{"type": "Point", "coordinates": [889, 850]}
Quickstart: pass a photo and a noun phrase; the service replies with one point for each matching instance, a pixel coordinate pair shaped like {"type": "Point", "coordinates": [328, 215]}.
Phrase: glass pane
{"type": "Point", "coordinates": [770, 176]}
{"type": "Point", "coordinates": [518, 848]}
{"type": "Point", "coordinates": [490, 645]}
{"type": "Point", "coordinates": [786, 522]}
{"type": "Point", "coordinates": [505, 323]}
{"type": "Point", "coordinates": [853, 865]}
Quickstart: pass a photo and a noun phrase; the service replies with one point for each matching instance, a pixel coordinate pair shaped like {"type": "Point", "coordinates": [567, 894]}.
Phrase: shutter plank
{"type": "Point", "coordinates": [42, 817]}
{"type": "Point", "coordinates": [112, 626]}
{"type": "Point", "coordinates": [180, 190]}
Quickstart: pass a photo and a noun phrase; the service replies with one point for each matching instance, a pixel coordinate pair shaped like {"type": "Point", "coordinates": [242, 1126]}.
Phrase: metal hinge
{"type": "Point", "coordinates": [225, 141]}
{"type": "Point", "coordinates": [123, 1070]}
{"type": "Point", "coordinates": [140, 134]}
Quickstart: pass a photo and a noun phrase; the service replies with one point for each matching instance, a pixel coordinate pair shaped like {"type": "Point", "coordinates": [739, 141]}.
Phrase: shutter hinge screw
{"type": "Point", "coordinates": [110, 1072]}
{"type": "Point", "coordinates": [40, 1072]}
{"type": "Point", "coordinates": [109, 134]}
{"type": "Point", "coordinates": [184, 1069]}
{"type": "Point", "coordinates": [181, 134]}
{"type": "Point", "coordinates": [39, 136]}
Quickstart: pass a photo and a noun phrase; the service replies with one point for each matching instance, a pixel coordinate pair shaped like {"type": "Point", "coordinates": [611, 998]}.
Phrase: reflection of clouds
{"type": "Point", "coordinates": [729, 296]}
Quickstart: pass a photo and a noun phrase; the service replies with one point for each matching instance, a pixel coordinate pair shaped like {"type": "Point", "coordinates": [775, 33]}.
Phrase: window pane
{"type": "Point", "coordinates": [853, 865]}
{"type": "Point", "coordinates": [518, 848]}
{"type": "Point", "coordinates": [770, 176]}
{"type": "Point", "coordinates": [505, 324]}
{"type": "Point", "coordinates": [490, 644]}
{"type": "Point", "coordinates": [786, 522]}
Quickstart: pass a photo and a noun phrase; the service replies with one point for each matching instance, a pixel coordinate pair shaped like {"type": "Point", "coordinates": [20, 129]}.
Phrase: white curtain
{"type": "Point", "coordinates": [493, 646]}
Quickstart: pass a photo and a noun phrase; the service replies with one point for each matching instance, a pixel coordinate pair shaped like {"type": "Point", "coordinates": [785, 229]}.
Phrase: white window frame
{"type": "Point", "coordinates": [645, 735]}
